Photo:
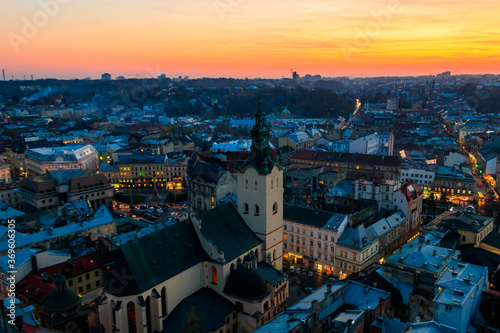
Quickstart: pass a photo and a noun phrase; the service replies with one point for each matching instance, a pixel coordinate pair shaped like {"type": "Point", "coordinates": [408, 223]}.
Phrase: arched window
{"type": "Point", "coordinates": [113, 312]}
{"type": "Point", "coordinates": [271, 184]}
{"type": "Point", "coordinates": [256, 213]}
{"type": "Point", "coordinates": [246, 184]}
{"type": "Point", "coordinates": [245, 208]}
{"type": "Point", "coordinates": [266, 305]}
{"type": "Point", "coordinates": [231, 268]}
{"type": "Point", "coordinates": [257, 254]}
{"type": "Point", "coordinates": [255, 184]}
{"type": "Point", "coordinates": [214, 275]}
{"type": "Point", "coordinates": [275, 208]}
{"type": "Point", "coordinates": [164, 302]}
{"type": "Point", "coordinates": [274, 254]}
{"type": "Point", "coordinates": [148, 315]}
{"type": "Point", "coordinates": [131, 317]}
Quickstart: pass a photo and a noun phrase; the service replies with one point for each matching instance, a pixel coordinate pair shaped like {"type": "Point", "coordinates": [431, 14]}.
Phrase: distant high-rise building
{"type": "Point", "coordinates": [295, 76]}
{"type": "Point", "coordinates": [444, 75]}
{"type": "Point", "coordinates": [392, 103]}
{"type": "Point", "coordinates": [106, 76]}
{"type": "Point", "coordinates": [118, 77]}
{"type": "Point", "coordinates": [162, 77]}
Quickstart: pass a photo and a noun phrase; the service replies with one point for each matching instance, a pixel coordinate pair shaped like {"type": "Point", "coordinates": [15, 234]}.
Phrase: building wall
{"type": "Point", "coordinates": [349, 260]}
{"type": "Point", "coordinates": [142, 175]}
{"type": "Point", "coordinates": [422, 177]}
{"type": "Point", "coordinates": [5, 173]}
{"type": "Point", "coordinates": [454, 159]}
{"type": "Point", "coordinates": [314, 245]}
{"type": "Point", "coordinates": [260, 203]}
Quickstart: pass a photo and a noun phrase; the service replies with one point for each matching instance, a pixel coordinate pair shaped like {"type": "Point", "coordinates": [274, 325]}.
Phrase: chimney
{"type": "Point", "coordinates": [419, 248]}
{"type": "Point", "coordinates": [51, 230]}
{"type": "Point", "coordinates": [421, 239]}
{"type": "Point", "coordinates": [34, 264]}
{"type": "Point", "coordinates": [428, 242]}
{"type": "Point", "coordinates": [434, 253]}
{"type": "Point", "coordinates": [400, 250]}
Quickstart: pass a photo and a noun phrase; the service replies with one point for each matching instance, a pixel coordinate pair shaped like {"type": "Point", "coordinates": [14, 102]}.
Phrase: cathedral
{"type": "Point", "coordinates": [217, 270]}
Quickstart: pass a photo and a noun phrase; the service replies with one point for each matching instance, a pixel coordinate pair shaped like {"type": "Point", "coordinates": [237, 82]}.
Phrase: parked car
{"type": "Point", "coordinates": [292, 269]}
{"type": "Point", "coordinates": [308, 290]}
{"type": "Point", "coordinates": [297, 270]}
{"type": "Point", "coordinates": [304, 272]}
{"type": "Point", "coordinates": [310, 274]}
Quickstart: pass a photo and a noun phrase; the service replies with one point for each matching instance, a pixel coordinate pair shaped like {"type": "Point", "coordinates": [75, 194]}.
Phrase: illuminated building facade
{"type": "Point", "coordinates": [142, 171]}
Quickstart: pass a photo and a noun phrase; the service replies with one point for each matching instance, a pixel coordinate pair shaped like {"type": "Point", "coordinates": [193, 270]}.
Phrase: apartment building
{"type": "Point", "coordinates": [310, 237]}
{"type": "Point", "coordinates": [373, 144]}
{"type": "Point", "coordinates": [40, 160]}
{"type": "Point", "coordinates": [48, 191]}
{"type": "Point", "coordinates": [393, 195]}
{"type": "Point", "coordinates": [142, 171]}
{"type": "Point", "coordinates": [458, 294]}
{"type": "Point", "coordinates": [355, 166]}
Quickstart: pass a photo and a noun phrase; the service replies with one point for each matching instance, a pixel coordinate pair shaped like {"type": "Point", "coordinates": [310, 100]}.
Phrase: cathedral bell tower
{"type": "Point", "coordinates": [260, 193]}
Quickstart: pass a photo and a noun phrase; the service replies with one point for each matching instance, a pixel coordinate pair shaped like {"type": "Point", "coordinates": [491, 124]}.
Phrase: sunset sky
{"type": "Point", "coordinates": [243, 38]}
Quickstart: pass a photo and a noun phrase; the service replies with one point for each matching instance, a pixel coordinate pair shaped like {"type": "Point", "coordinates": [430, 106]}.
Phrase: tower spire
{"type": "Point", "coordinates": [260, 154]}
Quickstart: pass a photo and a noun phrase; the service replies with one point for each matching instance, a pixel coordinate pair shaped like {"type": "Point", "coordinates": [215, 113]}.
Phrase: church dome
{"type": "Point", "coordinates": [61, 299]}
{"type": "Point", "coordinates": [246, 283]}
{"type": "Point", "coordinates": [242, 145]}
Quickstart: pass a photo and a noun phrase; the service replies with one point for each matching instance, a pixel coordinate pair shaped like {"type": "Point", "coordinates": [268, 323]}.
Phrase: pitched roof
{"type": "Point", "coordinates": [206, 307]}
{"type": "Point", "coordinates": [155, 258]}
{"type": "Point", "coordinates": [348, 158]}
{"type": "Point", "coordinates": [309, 216]}
{"type": "Point", "coordinates": [493, 239]}
{"type": "Point", "coordinates": [225, 227]}
{"type": "Point", "coordinates": [462, 220]}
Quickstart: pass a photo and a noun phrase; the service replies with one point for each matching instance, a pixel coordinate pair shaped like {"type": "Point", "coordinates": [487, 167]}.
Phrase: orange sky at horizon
{"type": "Point", "coordinates": [242, 38]}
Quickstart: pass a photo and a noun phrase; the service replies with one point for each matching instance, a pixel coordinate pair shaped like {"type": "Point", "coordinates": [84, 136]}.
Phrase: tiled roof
{"type": "Point", "coordinates": [208, 308]}
{"type": "Point", "coordinates": [224, 226]}
{"type": "Point", "coordinates": [420, 256]}
{"type": "Point", "coordinates": [348, 158]}
{"type": "Point", "coordinates": [462, 220]}
{"type": "Point", "coordinates": [308, 216]}
{"type": "Point", "coordinates": [157, 257]}
{"type": "Point", "coordinates": [101, 216]}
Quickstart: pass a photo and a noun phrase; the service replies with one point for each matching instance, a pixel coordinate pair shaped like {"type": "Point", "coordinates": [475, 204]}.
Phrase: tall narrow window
{"type": "Point", "coordinates": [245, 208]}
{"type": "Point", "coordinates": [214, 275]}
{"type": "Point", "coordinates": [113, 311]}
{"type": "Point", "coordinates": [275, 208]}
{"type": "Point", "coordinates": [131, 317]}
{"type": "Point", "coordinates": [256, 210]}
{"type": "Point", "coordinates": [148, 315]}
{"type": "Point", "coordinates": [164, 302]}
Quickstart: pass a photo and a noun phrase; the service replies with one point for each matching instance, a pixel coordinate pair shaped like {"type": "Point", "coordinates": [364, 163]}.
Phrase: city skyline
{"type": "Point", "coordinates": [223, 38]}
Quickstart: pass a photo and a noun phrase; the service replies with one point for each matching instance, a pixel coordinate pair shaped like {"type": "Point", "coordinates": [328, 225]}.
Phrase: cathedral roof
{"type": "Point", "coordinates": [224, 226]}
{"type": "Point", "coordinates": [247, 283]}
